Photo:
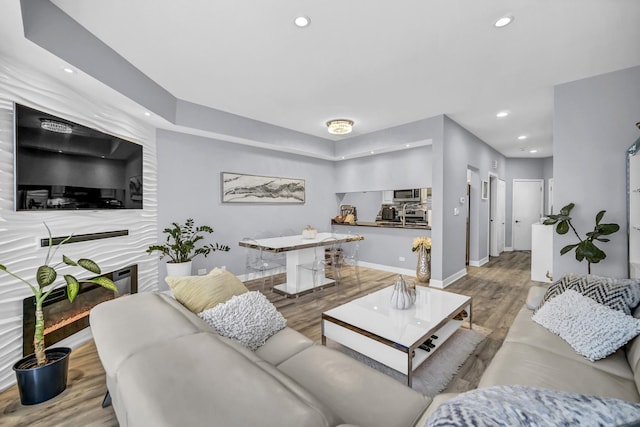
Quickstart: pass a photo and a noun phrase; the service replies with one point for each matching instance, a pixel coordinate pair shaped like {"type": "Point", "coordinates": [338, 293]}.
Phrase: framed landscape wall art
{"type": "Point", "coordinates": [243, 188]}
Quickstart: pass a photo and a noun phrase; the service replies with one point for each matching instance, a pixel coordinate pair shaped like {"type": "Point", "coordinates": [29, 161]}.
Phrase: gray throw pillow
{"type": "Point", "coordinates": [618, 294]}
{"type": "Point", "coordinates": [527, 406]}
{"type": "Point", "coordinates": [249, 318]}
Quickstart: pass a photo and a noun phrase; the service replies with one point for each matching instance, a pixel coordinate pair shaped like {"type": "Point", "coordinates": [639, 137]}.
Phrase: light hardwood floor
{"type": "Point", "coordinates": [498, 290]}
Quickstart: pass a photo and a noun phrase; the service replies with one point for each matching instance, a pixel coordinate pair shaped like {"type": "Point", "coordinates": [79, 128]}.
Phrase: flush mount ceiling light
{"type": "Point", "coordinates": [502, 114]}
{"type": "Point", "coordinates": [521, 137]}
{"type": "Point", "coordinates": [533, 151]}
{"type": "Point", "coordinates": [302, 21]}
{"type": "Point", "coordinates": [55, 126]}
{"type": "Point", "coordinates": [340, 126]}
{"type": "Point", "coordinates": [503, 21]}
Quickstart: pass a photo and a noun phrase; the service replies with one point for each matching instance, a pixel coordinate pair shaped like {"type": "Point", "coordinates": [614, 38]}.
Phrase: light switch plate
{"type": "Point", "coordinates": [456, 211]}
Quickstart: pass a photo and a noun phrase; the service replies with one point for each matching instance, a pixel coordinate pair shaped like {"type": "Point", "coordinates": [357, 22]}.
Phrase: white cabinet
{"type": "Point", "coordinates": [387, 197]}
{"type": "Point", "coordinates": [634, 215]}
{"type": "Point", "coordinates": [542, 252]}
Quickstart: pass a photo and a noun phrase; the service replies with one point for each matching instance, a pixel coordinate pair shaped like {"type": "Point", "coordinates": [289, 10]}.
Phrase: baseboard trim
{"type": "Point", "coordinates": [252, 276]}
{"type": "Point", "coordinates": [479, 263]}
{"type": "Point", "coordinates": [508, 248]}
{"type": "Point", "coordinates": [441, 284]}
{"type": "Point", "coordinates": [389, 268]}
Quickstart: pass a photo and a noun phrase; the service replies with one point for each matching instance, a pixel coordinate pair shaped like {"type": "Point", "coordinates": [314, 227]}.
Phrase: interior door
{"type": "Point", "coordinates": [527, 210]}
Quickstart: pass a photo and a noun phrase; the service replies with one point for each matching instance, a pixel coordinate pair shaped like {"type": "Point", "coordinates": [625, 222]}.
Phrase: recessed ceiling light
{"type": "Point", "coordinates": [503, 21]}
{"type": "Point", "coordinates": [148, 114]}
{"type": "Point", "coordinates": [502, 114]}
{"type": "Point", "coordinates": [408, 145]}
{"type": "Point", "coordinates": [372, 152]}
{"type": "Point", "coordinates": [68, 70]}
{"type": "Point", "coordinates": [533, 151]}
{"type": "Point", "coordinates": [302, 21]}
{"type": "Point", "coordinates": [521, 137]}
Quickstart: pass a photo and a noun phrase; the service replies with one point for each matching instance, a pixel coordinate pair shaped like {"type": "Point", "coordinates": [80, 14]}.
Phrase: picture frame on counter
{"type": "Point", "coordinates": [247, 188]}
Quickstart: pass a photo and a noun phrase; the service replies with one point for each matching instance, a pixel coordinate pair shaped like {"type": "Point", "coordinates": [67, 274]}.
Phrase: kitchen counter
{"type": "Point", "coordinates": [388, 224]}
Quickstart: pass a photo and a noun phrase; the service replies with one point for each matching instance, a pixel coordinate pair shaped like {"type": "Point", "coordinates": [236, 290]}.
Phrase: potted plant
{"type": "Point", "coordinates": [585, 248]}
{"type": "Point", "coordinates": [43, 374]}
{"type": "Point", "coordinates": [181, 247]}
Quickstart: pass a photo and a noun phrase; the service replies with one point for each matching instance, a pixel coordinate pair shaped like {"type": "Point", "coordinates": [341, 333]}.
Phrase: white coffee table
{"type": "Point", "coordinates": [371, 327]}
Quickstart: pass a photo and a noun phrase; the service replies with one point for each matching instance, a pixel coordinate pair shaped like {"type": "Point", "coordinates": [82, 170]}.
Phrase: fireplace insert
{"type": "Point", "coordinates": [64, 318]}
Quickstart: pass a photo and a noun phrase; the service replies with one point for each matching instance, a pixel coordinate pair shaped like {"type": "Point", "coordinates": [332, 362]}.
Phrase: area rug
{"type": "Point", "coordinates": [436, 372]}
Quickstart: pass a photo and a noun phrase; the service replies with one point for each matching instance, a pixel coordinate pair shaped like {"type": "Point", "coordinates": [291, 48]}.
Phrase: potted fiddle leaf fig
{"type": "Point", "coordinates": [43, 374]}
{"type": "Point", "coordinates": [181, 246]}
{"type": "Point", "coordinates": [585, 248]}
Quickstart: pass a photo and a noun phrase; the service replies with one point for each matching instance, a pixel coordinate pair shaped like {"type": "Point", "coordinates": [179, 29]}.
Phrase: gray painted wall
{"type": "Point", "coordinates": [594, 124]}
{"type": "Point", "coordinates": [519, 169]}
{"type": "Point", "coordinates": [460, 150]}
{"type": "Point", "coordinates": [189, 186]}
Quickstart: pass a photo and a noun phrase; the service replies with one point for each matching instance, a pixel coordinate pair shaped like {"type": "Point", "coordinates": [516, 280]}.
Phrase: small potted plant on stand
{"type": "Point", "coordinates": [181, 248]}
{"type": "Point", "coordinates": [43, 374]}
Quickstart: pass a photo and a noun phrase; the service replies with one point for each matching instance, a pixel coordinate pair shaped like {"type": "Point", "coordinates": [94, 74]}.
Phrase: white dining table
{"type": "Point", "coordinates": [298, 251]}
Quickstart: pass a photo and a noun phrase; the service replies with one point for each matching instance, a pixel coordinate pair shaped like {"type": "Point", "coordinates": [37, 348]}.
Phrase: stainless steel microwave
{"type": "Point", "coordinates": [406, 196]}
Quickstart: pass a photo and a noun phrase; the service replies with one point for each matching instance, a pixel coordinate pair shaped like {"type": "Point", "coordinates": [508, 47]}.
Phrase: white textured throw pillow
{"type": "Point", "coordinates": [249, 318]}
{"type": "Point", "coordinates": [592, 329]}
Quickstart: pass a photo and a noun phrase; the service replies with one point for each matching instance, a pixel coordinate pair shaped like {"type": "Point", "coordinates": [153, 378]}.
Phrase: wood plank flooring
{"type": "Point", "coordinates": [498, 289]}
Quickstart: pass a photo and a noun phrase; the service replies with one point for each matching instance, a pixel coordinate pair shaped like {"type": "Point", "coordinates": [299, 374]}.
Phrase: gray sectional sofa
{"type": "Point", "coordinates": [166, 367]}
{"type": "Point", "coordinates": [534, 357]}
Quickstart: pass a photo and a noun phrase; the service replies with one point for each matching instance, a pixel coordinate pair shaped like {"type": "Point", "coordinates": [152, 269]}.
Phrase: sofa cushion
{"type": "Point", "coordinates": [522, 364]}
{"type": "Point", "coordinates": [249, 318]}
{"type": "Point", "coordinates": [535, 296]}
{"type": "Point", "coordinates": [518, 405]}
{"type": "Point", "coordinates": [127, 316]}
{"type": "Point", "coordinates": [618, 294]}
{"type": "Point", "coordinates": [592, 329]}
{"type": "Point", "coordinates": [203, 381]}
{"type": "Point", "coordinates": [524, 330]}
{"type": "Point", "coordinates": [283, 345]}
{"type": "Point", "coordinates": [199, 293]}
{"type": "Point", "coordinates": [336, 379]}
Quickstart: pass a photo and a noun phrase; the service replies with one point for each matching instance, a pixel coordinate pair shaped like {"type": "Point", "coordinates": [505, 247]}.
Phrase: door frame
{"type": "Point", "coordinates": [493, 230]}
{"type": "Point", "coordinates": [513, 203]}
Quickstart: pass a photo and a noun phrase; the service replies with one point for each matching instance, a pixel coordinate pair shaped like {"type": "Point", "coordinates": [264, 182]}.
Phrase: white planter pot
{"type": "Point", "coordinates": [179, 269]}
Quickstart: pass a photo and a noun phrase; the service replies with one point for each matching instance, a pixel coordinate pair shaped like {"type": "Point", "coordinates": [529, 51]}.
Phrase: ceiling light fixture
{"type": "Point", "coordinates": [502, 114]}
{"type": "Point", "coordinates": [68, 70]}
{"type": "Point", "coordinates": [55, 126]}
{"type": "Point", "coordinates": [521, 137]}
{"type": "Point", "coordinates": [302, 21]}
{"type": "Point", "coordinates": [533, 151]}
{"type": "Point", "coordinates": [340, 126]}
{"type": "Point", "coordinates": [504, 21]}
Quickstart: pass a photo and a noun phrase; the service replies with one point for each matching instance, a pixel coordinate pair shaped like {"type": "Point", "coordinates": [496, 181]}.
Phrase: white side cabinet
{"type": "Point", "coordinates": [542, 253]}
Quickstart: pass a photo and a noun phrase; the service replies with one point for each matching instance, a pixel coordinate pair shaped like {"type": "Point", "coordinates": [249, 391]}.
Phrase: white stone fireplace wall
{"type": "Point", "coordinates": [20, 232]}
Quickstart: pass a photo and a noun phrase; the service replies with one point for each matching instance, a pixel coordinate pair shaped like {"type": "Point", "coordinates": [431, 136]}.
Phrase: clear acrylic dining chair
{"type": "Point", "coordinates": [325, 257]}
{"type": "Point", "coordinates": [349, 259]}
{"type": "Point", "coordinates": [259, 262]}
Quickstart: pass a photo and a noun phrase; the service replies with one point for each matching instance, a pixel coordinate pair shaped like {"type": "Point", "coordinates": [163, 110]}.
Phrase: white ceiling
{"type": "Point", "coordinates": [378, 63]}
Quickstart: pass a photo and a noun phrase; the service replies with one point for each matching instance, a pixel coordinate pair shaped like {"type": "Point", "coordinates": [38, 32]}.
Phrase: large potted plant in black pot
{"type": "Point", "coordinates": [43, 374]}
{"type": "Point", "coordinates": [181, 246]}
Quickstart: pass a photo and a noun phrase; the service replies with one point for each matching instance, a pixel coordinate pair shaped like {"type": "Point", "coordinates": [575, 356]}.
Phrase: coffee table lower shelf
{"type": "Point", "coordinates": [393, 355]}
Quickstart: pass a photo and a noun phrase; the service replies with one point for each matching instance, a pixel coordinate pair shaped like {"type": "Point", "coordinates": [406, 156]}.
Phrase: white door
{"type": "Point", "coordinates": [497, 216]}
{"type": "Point", "coordinates": [527, 210]}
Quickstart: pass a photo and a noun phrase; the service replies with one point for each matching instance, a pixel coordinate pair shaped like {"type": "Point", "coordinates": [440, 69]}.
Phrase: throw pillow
{"type": "Point", "coordinates": [526, 406]}
{"type": "Point", "coordinates": [249, 318]}
{"type": "Point", "coordinates": [619, 294]}
{"type": "Point", "coordinates": [593, 330]}
{"type": "Point", "coordinates": [199, 293]}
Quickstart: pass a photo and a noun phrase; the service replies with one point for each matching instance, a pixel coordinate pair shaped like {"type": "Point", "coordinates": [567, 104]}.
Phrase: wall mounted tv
{"type": "Point", "coordinates": [60, 164]}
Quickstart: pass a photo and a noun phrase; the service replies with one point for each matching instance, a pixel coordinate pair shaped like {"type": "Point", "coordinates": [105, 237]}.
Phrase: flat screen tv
{"type": "Point", "coordinates": [60, 164]}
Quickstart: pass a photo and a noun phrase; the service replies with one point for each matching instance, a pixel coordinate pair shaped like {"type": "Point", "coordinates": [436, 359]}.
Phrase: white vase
{"type": "Point", "coordinates": [179, 269]}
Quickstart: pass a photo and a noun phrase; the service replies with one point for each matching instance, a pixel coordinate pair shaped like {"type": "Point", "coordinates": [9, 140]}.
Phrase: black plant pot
{"type": "Point", "coordinates": [40, 383]}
